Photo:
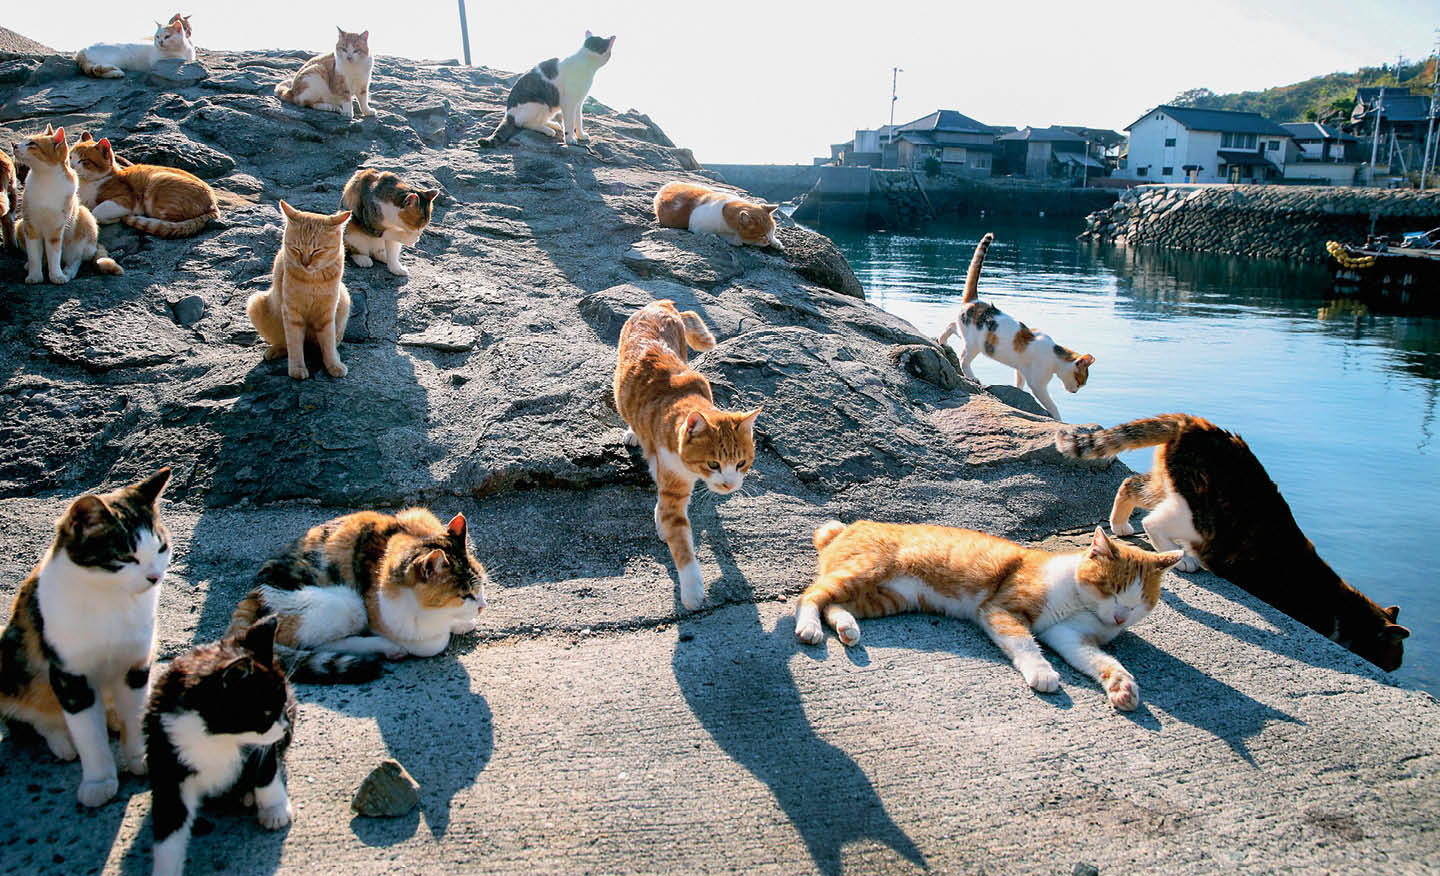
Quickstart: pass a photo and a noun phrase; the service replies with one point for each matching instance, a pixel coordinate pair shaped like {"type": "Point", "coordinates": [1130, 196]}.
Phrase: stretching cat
{"type": "Point", "coordinates": [111, 60]}
{"type": "Point", "coordinates": [1034, 355]}
{"type": "Point", "coordinates": [1073, 602]}
{"type": "Point", "coordinates": [220, 719]}
{"type": "Point", "coordinates": [82, 629]}
{"type": "Point", "coordinates": [409, 580]}
{"type": "Point", "coordinates": [384, 214]}
{"type": "Point", "coordinates": [306, 299]}
{"type": "Point", "coordinates": [163, 201]}
{"type": "Point", "coordinates": [1214, 499]}
{"type": "Point", "coordinates": [672, 416]}
{"type": "Point", "coordinates": [9, 202]}
{"type": "Point", "coordinates": [335, 80]}
{"type": "Point", "coordinates": [56, 230]}
{"type": "Point", "coordinates": [698, 209]}
{"type": "Point", "coordinates": [554, 86]}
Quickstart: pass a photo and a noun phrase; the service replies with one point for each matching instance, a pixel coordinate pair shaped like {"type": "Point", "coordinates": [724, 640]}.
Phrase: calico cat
{"type": "Point", "coordinates": [82, 629]}
{"type": "Point", "coordinates": [220, 720]}
{"type": "Point", "coordinates": [1034, 355]}
{"type": "Point", "coordinates": [672, 417]}
{"type": "Point", "coordinates": [554, 86]}
{"type": "Point", "coordinates": [306, 299]}
{"type": "Point", "coordinates": [336, 80]}
{"type": "Point", "coordinates": [111, 60]}
{"type": "Point", "coordinates": [409, 580]}
{"type": "Point", "coordinates": [1212, 498]}
{"type": "Point", "coordinates": [1073, 602]}
{"type": "Point", "coordinates": [57, 231]}
{"type": "Point", "coordinates": [163, 201]}
{"type": "Point", "coordinates": [699, 210]}
{"type": "Point", "coordinates": [384, 214]}
{"type": "Point", "coordinates": [9, 201]}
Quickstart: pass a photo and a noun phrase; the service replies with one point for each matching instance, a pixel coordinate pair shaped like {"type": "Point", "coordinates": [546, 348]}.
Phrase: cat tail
{"type": "Point", "coordinates": [972, 278]}
{"type": "Point", "coordinates": [168, 229]}
{"type": "Point", "coordinates": [104, 264]}
{"type": "Point", "coordinates": [1094, 442]}
{"type": "Point", "coordinates": [697, 335]}
{"type": "Point", "coordinates": [328, 667]}
{"type": "Point", "coordinates": [502, 133]}
{"type": "Point", "coordinates": [826, 532]}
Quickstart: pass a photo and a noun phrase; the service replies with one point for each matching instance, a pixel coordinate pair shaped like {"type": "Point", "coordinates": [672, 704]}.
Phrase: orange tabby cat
{"type": "Point", "coordinates": [733, 219]}
{"type": "Point", "coordinates": [671, 415]}
{"type": "Point", "coordinates": [54, 228]}
{"type": "Point", "coordinates": [336, 80]}
{"type": "Point", "coordinates": [306, 299]}
{"type": "Point", "coordinates": [163, 201]}
{"type": "Point", "coordinates": [1073, 602]}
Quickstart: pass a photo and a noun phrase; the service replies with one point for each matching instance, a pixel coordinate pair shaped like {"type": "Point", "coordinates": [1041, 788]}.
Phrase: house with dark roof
{"type": "Point", "coordinates": [1188, 144]}
{"type": "Point", "coordinates": [1046, 153]}
{"type": "Point", "coordinates": [1319, 142]}
{"type": "Point", "coordinates": [1401, 117]}
{"type": "Point", "coordinates": [963, 146]}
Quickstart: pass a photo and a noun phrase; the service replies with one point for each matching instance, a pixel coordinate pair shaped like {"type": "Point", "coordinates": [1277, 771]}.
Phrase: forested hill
{"type": "Point", "coordinates": [1321, 98]}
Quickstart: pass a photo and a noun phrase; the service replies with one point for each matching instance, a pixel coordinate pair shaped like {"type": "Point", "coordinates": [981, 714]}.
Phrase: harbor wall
{"type": "Point", "coordinates": [771, 182]}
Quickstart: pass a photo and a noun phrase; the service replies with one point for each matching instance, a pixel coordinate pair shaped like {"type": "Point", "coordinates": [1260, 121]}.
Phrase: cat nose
{"type": "Point", "coordinates": [153, 578]}
{"type": "Point", "coordinates": [1121, 616]}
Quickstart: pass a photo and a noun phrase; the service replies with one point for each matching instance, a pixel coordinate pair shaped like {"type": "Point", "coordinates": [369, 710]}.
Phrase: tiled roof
{"type": "Point", "coordinates": [1315, 131]}
{"type": "Point", "coordinates": [1229, 121]}
{"type": "Point", "coordinates": [946, 120]}
{"type": "Point", "coordinates": [1051, 134]}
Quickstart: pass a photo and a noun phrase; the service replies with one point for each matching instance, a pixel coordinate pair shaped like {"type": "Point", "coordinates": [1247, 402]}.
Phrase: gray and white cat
{"type": "Point", "coordinates": [554, 86]}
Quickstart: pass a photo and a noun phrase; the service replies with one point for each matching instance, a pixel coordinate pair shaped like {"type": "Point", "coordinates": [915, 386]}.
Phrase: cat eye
{"type": "Point", "coordinates": [714, 466]}
{"type": "Point", "coordinates": [743, 464]}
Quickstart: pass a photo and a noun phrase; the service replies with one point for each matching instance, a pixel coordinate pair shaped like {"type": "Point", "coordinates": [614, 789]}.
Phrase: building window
{"type": "Point", "coordinates": [1167, 171]}
{"type": "Point", "coordinates": [1169, 141]}
{"type": "Point", "coordinates": [1227, 140]}
{"type": "Point", "coordinates": [1274, 145]}
{"type": "Point", "coordinates": [1142, 171]}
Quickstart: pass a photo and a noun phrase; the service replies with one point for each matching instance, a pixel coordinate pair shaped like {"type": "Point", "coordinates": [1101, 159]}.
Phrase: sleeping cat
{"type": "Point", "coordinates": [368, 584]}
{"type": "Point", "coordinates": [336, 80]}
{"type": "Point", "coordinates": [306, 299]}
{"type": "Point", "coordinates": [1073, 602]}
{"type": "Point", "coordinates": [1211, 497]}
{"type": "Point", "coordinates": [684, 437]}
{"type": "Point", "coordinates": [9, 202]}
{"type": "Point", "coordinates": [163, 201]}
{"type": "Point", "coordinates": [55, 229]}
{"type": "Point", "coordinates": [220, 720]}
{"type": "Point", "coordinates": [1033, 355]}
{"type": "Point", "coordinates": [111, 60]}
{"type": "Point", "coordinates": [82, 629]}
{"type": "Point", "coordinates": [554, 86]}
{"type": "Point", "coordinates": [384, 214]}
{"type": "Point", "coordinates": [699, 210]}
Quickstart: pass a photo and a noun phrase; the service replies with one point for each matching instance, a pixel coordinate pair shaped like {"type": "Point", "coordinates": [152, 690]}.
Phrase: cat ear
{"type": "Point", "coordinates": [1101, 545]}
{"type": "Point", "coordinates": [748, 420]}
{"type": "Point", "coordinates": [746, 219]}
{"type": "Point", "coordinates": [1085, 361]}
{"type": "Point", "coordinates": [339, 218]}
{"type": "Point", "coordinates": [59, 136]}
{"type": "Point", "coordinates": [1392, 612]}
{"type": "Point", "coordinates": [1397, 632]}
{"type": "Point", "coordinates": [150, 488]}
{"type": "Point", "coordinates": [260, 640]}
{"type": "Point", "coordinates": [1169, 558]}
{"type": "Point", "coordinates": [364, 36]}
{"type": "Point", "coordinates": [86, 515]}
{"type": "Point", "coordinates": [456, 527]}
{"type": "Point", "coordinates": [342, 31]}
{"type": "Point", "coordinates": [432, 564]}
{"type": "Point", "coordinates": [49, 128]}
{"type": "Point", "coordinates": [85, 136]}
{"type": "Point", "coordinates": [288, 211]}
{"type": "Point", "coordinates": [588, 34]}
{"type": "Point", "coordinates": [695, 424]}
{"type": "Point", "coordinates": [410, 200]}
{"type": "Point", "coordinates": [104, 145]}
{"type": "Point", "coordinates": [770, 208]}
{"type": "Point", "coordinates": [430, 195]}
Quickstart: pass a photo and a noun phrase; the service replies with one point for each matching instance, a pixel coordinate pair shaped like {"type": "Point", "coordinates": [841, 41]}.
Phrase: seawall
{"type": "Point", "coordinates": [771, 182]}
{"type": "Point", "coordinates": [1278, 222]}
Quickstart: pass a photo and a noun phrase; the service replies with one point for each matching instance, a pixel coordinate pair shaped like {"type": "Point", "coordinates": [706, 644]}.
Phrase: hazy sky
{"type": "Point", "coordinates": [778, 81]}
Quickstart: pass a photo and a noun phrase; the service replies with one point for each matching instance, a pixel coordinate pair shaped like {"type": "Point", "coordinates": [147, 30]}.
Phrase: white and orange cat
{"type": "Point", "coordinates": [1073, 602]}
{"type": "Point", "coordinates": [111, 60]}
{"type": "Point", "coordinates": [334, 81]}
{"type": "Point", "coordinates": [307, 298]}
{"type": "Point", "coordinates": [673, 418]}
{"type": "Point", "coordinates": [163, 201]}
{"type": "Point", "coordinates": [702, 210]}
{"type": "Point", "coordinates": [1034, 355]}
{"type": "Point", "coordinates": [55, 229]}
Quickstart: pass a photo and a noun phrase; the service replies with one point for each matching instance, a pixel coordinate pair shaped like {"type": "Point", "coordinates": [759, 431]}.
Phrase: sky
{"type": "Point", "coordinates": [778, 81]}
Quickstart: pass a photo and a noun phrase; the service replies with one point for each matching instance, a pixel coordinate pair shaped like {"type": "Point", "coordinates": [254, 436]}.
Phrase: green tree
{"type": "Point", "coordinates": [1200, 97]}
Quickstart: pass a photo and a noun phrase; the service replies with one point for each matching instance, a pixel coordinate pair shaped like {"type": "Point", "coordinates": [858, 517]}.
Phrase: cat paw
{"type": "Point", "coordinates": [61, 746]}
{"type": "Point", "coordinates": [809, 631]}
{"type": "Point", "coordinates": [339, 369]}
{"type": "Point", "coordinates": [692, 587]}
{"type": "Point", "coordinates": [361, 259]}
{"type": "Point", "coordinates": [583, 138]}
{"type": "Point", "coordinates": [1124, 528]}
{"type": "Point", "coordinates": [34, 277]}
{"type": "Point", "coordinates": [135, 763]}
{"type": "Point", "coordinates": [299, 372]}
{"type": "Point", "coordinates": [98, 791]}
{"type": "Point", "coordinates": [460, 628]}
{"type": "Point", "coordinates": [59, 279]}
{"type": "Point", "coordinates": [1124, 693]}
{"type": "Point", "coordinates": [1042, 677]}
{"type": "Point", "coordinates": [1188, 564]}
{"type": "Point", "coordinates": [849, 632]}
{"type": "Point", "coordinates": [275, 817]}
{"type": "Point", "coordinates": [631, 439]}
{"type": "Point", "coordinates": [398, 270]}
{"type": "Point", "coordinates": [274, 353]}
{"type": "Point", "coordinates": [571, 141]}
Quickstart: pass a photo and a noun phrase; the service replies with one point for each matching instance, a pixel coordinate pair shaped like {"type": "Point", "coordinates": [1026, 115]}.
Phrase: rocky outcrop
{"type": "Point", "coordinates": [1279, 222]}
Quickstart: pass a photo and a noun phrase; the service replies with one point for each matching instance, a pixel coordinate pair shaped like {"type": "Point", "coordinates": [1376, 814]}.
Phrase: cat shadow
{"type": "Point", "coordinates": [746, 698]}
{"type": "Point", "coordinates": [225, 837]}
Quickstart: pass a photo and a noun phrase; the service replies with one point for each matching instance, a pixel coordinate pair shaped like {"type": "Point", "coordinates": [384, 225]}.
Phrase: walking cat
{"type": "Point", "coordinates": [699, 209]}
{"type": "Point", "coordinates": [163, 201]}
{"type": "Point", "coordinates": [384, 214]}
{"type": "Point", "coordinates": [220, 720]}
{"type": "Point", "coordinates": [111, 60]}
{"type": "Point", "coordinates": [336, 80]}
{"type": "Point", "coordinates": [306, 299]}
{"type": "Point", "coordinates": [9, 201]}
{"type": "Point", "coordinates": [408, 580]}
{"type": "Point", "coordinates": [82, 629]}
{"type": "Point", "coordinates": [1073, 602]}
{"type": "Point", "coordinates": [554, 86]}
{"type": "Point", "coordinates": [1208, 495]}
{"type": "Point", "coordinates": [1034, 355]}
{"type": "Point", "coordinates": [58, 233]}
{"type": "Point", "coordinates": [673, 419]}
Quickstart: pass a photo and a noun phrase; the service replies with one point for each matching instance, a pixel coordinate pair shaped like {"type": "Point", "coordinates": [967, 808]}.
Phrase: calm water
{"type": "Point", "coordinates": [1339, 403]}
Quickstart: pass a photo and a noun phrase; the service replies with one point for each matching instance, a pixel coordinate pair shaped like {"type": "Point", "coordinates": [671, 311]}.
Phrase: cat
{"type": "Point", "coordinates": [407, 579]}
{"type": "Point", "coordinates": [731, 218]}
{"type": "Point", "coordinates": [554, 86]}
{"type": "Point", "coordinates": [111, 60]}
{"type": "Point", "coordinates": [1034, 355]}
{"type": "Point", "coordinates": [9, 202]}
{"type": "Point", "coordinates": [1073, 602]}
{"type": "Point", "coordinates": [1208, 495]}
{"type": "Point", "coordinates": [220, 720]}
{"type": "Point", "coordinates": [306, 299]}
{"type": "Point", "coordinates": [335, 81]}
{"type": "Point", "coordinates": [384, 214]}
{"type": "Point", "coordinates": [163, 201]}
{"type": "Point", "coordinates": [57, 231]}
{"type": "Point", "coordinates": [673, 419]}
{"type": "Point", "coordinates": [82, 629]}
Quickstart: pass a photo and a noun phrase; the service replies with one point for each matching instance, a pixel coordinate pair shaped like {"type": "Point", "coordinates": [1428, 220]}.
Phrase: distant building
{"type": "Point", "coordinates": [1187, 144]}
{"type": "Point", "coordinates": [963, 146]}
{"type": "Point", "coordinates": [1046, 153]}
{"type": "Point", "coordinates": [1401, 117]}
{"type": "Point", "coordinates": [1319, 142]}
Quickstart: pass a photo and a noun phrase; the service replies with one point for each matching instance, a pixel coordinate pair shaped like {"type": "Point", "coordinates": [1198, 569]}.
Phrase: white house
{"type": "Point", "coordinates": [1186, 144]}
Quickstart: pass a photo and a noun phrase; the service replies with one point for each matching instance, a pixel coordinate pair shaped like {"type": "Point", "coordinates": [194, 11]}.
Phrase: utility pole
{"type": "Point", "coordinates": [464, 33]}
{"type": "Point", "coordinates": [1426, 162]}
{"type": "Point", "coordinates": [1085, 166]}
{"type": "Point", "coordinates": [894, 80]}
{"type": "Point", "coordinates": [1375, 140]}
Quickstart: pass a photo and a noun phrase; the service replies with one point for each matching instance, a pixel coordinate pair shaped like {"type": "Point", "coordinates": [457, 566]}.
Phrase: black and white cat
{"type": "Point", "coordinates": [554, 86]}
{"type": "Point", "coordinates": [220, 720]}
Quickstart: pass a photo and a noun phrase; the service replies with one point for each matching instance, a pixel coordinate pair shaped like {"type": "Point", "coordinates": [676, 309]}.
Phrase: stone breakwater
{"type": "Point", "coordinates": [1259, 221]}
